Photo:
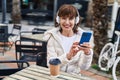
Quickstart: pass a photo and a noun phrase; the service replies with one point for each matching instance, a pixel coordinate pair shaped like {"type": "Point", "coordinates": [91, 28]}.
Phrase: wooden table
{"type": "Point", "coordinates": [34, 37]}
{"type": "Point", "coordinates": [35, 72]}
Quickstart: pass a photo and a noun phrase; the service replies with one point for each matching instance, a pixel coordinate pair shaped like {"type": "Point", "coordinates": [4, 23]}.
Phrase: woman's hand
{"type": "Point", "coordinates": [85, 47]}
{"type": "Point", "coordinates": [76, 47]}
{"type": "Point", "coordinates": [73, 51]}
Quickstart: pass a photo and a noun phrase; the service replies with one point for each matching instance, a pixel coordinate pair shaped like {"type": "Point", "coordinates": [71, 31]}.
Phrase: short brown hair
{"type": "Point", "coordinates": [68, 10]}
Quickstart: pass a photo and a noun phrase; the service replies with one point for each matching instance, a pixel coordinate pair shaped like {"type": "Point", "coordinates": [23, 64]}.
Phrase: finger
{"type": "Point", "coordinates": [74, 46]}
{"type": "Point", "coordinates": [86, 45]}
{"type": "Point", "coordinates": [76, 43]}
{"type": "Point", "coordinates": [84, 48]}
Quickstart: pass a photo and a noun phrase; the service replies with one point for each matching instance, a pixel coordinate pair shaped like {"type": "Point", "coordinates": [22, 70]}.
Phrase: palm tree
{"type": "Point", "coordinates": [89, 15]}
{"type": "Point", "coordinates": [100, 26]}
{"type": "Point", "coordinates": [16, 12]}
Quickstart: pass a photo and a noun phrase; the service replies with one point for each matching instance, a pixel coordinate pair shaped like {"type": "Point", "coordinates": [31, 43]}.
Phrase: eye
{"type": "Point", "coordinates": [63, 18]}
{"type": "Point", "coordinates": [71, 18]}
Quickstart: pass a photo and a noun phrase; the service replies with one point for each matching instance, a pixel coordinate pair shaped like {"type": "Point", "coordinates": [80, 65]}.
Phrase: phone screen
{"type": "Point", "coordinates": [85, 37]}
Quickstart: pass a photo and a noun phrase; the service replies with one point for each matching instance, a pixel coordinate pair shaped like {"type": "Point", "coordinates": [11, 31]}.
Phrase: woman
{"type": "Point", "coordinates": [63, 41]}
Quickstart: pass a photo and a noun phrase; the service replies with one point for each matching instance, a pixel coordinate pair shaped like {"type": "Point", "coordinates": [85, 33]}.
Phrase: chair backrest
{"type": "Point", "coordinates": [2, 31]}
{"type": "Point", "coordinates": [16, 29]}
{"type": "Point", "coordinates": [15, 32]}
{"type": "Point", "coordinates": [8, 71]}
{"type": "Point", "coordinates": [28, 48]}
{"type": "Point", "coordinates": [42, 59]}
{"type": "Point", "coordinates": [2, 35]}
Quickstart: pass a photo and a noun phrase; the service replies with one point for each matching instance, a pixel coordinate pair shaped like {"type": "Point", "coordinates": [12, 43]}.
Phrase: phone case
{"type": "Point", "coordinates": [85, 37]}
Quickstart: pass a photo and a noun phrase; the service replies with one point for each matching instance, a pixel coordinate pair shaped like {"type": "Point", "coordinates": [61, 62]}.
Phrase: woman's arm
{"type": "Point", "coordinates": [86, 60]}
{"type": "Point", "coordinates": [87, 56]}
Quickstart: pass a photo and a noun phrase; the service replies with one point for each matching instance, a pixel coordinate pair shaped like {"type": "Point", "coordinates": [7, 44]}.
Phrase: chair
{"type": "Point", "coordinates": [8, 71]}
{"type": "Point", "coordinates": [26, 50]}
{"type": "Point", "coordinates": [2, 41]}
{"type": "Point", "coordinates": [41, 59]}
{"type": "Point", "coordinates": [13, 35]}
{"type": "Point", "coordinates": [35, 31]}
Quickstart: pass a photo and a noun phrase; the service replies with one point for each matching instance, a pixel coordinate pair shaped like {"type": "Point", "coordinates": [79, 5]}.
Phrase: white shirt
{"type": "Point", "coordinates": [67, 42]}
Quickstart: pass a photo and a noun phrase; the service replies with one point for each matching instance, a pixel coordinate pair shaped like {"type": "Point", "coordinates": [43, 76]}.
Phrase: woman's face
{"type": "Point", "coordinates": [67, 23]}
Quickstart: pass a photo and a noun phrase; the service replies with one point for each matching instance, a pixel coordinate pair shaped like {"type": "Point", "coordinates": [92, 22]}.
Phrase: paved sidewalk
{"type": "Point", "coordinates": [97, 74]}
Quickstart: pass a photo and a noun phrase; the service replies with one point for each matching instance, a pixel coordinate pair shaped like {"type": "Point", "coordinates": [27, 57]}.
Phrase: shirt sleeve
{"type": "Point", "coordinates": [86, 60]}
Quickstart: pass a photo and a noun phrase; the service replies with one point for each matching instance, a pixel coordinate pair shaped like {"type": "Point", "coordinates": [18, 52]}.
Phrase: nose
{"type": "Point", "coordinates": [67, 21]}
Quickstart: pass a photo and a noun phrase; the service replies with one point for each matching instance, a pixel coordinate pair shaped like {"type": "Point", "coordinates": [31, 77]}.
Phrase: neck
{"type": "Point", "coordinates": [68, 34]}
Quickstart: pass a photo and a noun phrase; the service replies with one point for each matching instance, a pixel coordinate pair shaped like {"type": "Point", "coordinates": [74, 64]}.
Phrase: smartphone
{"type": "Point", "coordinates": [85, 37]}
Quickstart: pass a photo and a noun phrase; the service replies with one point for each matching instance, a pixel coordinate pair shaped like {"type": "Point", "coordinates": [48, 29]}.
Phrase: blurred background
{"type": "Point", "coordinates": [96, 15]}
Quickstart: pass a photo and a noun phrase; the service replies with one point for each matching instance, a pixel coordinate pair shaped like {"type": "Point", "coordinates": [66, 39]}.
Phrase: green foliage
{"type": "Point", "coordinates": [95, 66]}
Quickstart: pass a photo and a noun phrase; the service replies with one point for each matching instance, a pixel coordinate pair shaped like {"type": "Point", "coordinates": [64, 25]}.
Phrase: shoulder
{"type": "Point", "coordinates": [50, 32]}
{"type": "Point", "coordinates": [80, 31]}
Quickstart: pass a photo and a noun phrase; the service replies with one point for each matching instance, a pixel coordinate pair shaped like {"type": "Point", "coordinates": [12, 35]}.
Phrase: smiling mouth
{"type": "Point", "coordinates": [66, 26]}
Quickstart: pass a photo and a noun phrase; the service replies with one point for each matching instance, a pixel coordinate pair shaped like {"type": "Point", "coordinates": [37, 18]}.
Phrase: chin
{"type": "Point", "coordinates": [67, 29]}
